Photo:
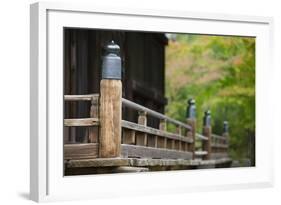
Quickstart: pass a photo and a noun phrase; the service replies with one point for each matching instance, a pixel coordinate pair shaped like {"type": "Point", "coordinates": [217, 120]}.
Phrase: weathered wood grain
{"type": "Point", "coordinates": [170, 144]}
{"type": "Point", "coordinates": [161, 162]}
{"type": "Point", "coordinates": [94, 113]}
{"type": "Point", "coordinates": [99, 162]}
{"type": "Point", "coordinates": [192, 123]}
{"type": "Point", "coordinates": [150, 112]}
{"type": "Point", "coordinates": [162, 141]}
{"type": "Point", "coordinates": [177, 145]}
{"type": "Point", "coordinates": [206, 144]}
{"type": "Point", "coordinates": [80, 151]}
{"type": "Point", "coordinates": [103, 170]}
{"type": "Point", "coordinates": [141, 137]}
{"type": "Point", "coordinates": [88, 97]}
{"type": "Point", "coordinates": [132, 151]}
{"type": "Point", "coordinates": [152, 140]}
{"type": "Point", "coordinates": [201, 137]}
{"type": "Point", "coordinates": [129, 136]}
{"type": "Point", "coordinates": [110, 118]}
{"type": "Point", "coordinates": [153, 131]}
{"type": "Point", "coordinates": [81, 122]}
{"type": "Point", "coordinates": [136, 162]}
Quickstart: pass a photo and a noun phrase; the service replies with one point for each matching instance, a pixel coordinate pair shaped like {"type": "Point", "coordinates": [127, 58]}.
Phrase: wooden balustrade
{"type": "Point", "coordinates": [139, 140]}
{"type": "Point", "coordinates": [111, 137]}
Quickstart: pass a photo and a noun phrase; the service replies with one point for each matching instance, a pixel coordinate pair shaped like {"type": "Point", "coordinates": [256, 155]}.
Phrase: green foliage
{"type": "Point", "coordinates": [219, 73]}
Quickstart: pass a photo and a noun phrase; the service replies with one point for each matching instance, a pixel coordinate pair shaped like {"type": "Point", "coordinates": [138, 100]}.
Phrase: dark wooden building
{"type": "Point", "coordinates": [143, 70]}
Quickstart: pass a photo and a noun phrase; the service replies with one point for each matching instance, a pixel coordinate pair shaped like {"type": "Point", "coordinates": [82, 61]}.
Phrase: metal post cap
{"type": "Point", "coordinates": [191, 109]}
{"type": "Point", "coordinates": [225, 126]}
{"type": "Point", "coordinates": [112, 47]}
{"type": "Point", "coordinates": [111, 62]}
{"type": "Point", "coordinates": [207, 112]}
{"type": "Point", "coordinates": [207, 118]}
{"type": "Point", "coordinates": [191, 101]}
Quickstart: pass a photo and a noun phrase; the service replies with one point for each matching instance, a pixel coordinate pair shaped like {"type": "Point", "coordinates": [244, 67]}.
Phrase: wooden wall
{"type": "Point", "coordinates": [143, 61]}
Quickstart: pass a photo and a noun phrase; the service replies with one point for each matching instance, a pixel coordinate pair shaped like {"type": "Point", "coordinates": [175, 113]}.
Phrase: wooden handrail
{"type": "Point", "coordinates": [215, 145]}
{"type": "Point", "coordinates": [153, 113]}
{"type": "Point", "coordinates": [201, 137]}
{"type": "Point", "coordinates": [218, 137]}
{"type": "Point", "coordinates": [81, 122]}
{"type": "Point", "coordinates": [87, 97]}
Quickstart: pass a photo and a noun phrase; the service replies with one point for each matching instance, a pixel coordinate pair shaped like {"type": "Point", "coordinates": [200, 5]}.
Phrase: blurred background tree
{"type": "Point", "coordinates": [219, 73]}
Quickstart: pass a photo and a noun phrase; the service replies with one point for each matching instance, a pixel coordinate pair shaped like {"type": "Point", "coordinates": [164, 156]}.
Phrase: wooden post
{"type": "Point", "coordinates": [207, 132]}
{"type": "Point", "coordinates": [191, 120]}
{"type": "Point", "coordinates": [110, 103]}
{"type": "Point", "coordinates": [94, 131]}
{"type": "Point", "coordinates": [141, 138]}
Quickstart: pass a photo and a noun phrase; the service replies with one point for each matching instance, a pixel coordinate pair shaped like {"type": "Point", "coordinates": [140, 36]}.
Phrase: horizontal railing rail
{"type": "Point", "coordinates": [153, 113]}
{"type": "Point", "coordinates": [201, 137]}
{"type": "Point", "coordinates": [86, 97]}
{"type": "Point", "coordinates": [214, 136]}
{"type": "Point", "coordinates": [81, 122]}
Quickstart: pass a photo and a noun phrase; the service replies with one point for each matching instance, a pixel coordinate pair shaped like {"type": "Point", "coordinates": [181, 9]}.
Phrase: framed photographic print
{"type": "Point", "coordinates": [128, 101]}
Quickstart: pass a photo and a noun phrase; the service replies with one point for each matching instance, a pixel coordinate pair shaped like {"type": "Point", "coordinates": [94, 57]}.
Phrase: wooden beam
{"type": "Point", "coordinates": [162, 162]}
{"type": "Point", "coordinates": [81, 122]}
{"type": "Point", "coordinates": [132, 151]}
{"type": "Point", "coordinates": [136, 162]}
{"type": "Point", "coordinates": [153, 113]}
{"type": "Point", "coordinates": [88, 97]}
{"type": "Point", "coordinates": [99, 162]}
{"type": "Point", "coordinates": [80, 151]}
{"type": "Point", "coordinates": [218, 137]}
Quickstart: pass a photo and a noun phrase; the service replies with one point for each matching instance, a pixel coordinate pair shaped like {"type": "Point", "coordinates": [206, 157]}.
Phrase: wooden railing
{"type": "Point", "coordinates": [89, 148]}
{"type": "Point", "coordinates": [108, 136]}
{"type": "Point", "coordinates": [142, 141]}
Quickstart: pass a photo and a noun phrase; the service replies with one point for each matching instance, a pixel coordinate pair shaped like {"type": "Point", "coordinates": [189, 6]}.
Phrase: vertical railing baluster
{"type": "Point", "coordinates": [110, 103]}
{"type": "Point", "coordinates": [141, 138]}
{"type": "Point", "coordinates": [94, 112]}
{"type": "Point", "coordinates": [162, 141]}
{"type": "Point", "coordinates": [179, 132]}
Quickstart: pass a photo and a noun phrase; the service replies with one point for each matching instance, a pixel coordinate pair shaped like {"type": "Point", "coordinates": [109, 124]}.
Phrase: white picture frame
{"type": "Point", "coordinates": [47, 182]}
